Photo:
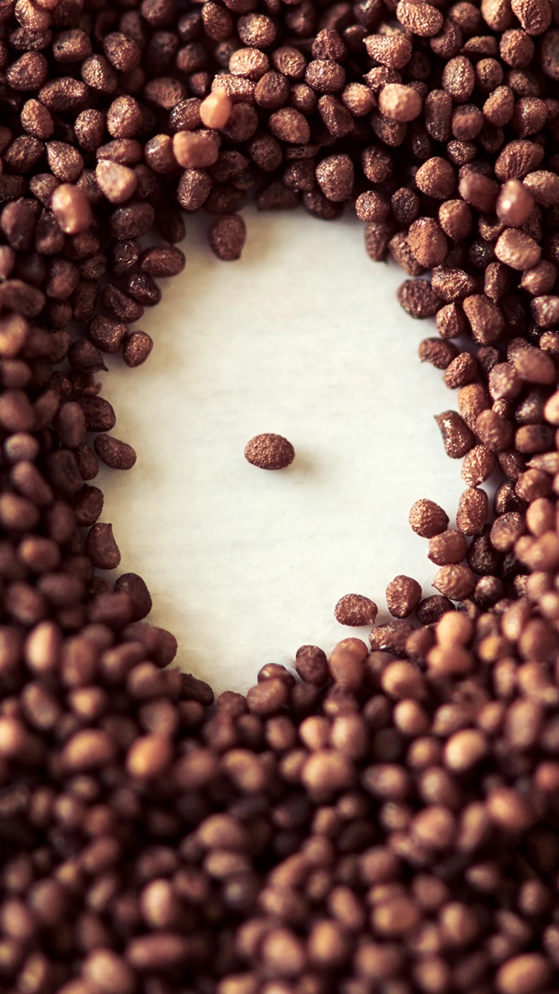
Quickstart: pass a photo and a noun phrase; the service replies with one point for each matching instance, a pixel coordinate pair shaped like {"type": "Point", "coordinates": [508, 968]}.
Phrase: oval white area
{"type": "Point", "coordinates": [303, 337]}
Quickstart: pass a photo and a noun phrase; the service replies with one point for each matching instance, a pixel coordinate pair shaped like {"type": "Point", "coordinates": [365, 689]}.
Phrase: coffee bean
{"type": "Point", "coordinates": [114, 453]}
{"type": "Point", "coordinates": [227, 236]}
{"type": "Point", "coordinates": [269, 452]}
{"type": "Point", "coordinates": [355, 610]}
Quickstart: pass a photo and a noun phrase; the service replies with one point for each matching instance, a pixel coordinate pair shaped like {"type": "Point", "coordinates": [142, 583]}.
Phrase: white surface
{"type": "Point", "coordinates": [302, 337]}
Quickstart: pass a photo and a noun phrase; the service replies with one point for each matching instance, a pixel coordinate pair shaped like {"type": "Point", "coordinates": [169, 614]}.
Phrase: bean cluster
{"type": "Point", "coordinates": [383, 820]}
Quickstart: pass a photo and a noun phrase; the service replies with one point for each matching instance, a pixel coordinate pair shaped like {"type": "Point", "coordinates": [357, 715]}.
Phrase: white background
{"type": "Point", "coordinates": [303, 337]}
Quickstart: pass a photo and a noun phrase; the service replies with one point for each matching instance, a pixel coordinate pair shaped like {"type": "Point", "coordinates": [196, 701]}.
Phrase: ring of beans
{"type": "Point", "coordinates": [382, 820]}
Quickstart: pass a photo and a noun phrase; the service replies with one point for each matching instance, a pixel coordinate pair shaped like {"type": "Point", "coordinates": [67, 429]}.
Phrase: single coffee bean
{"type": "Point", "coordinates": [269, 452]}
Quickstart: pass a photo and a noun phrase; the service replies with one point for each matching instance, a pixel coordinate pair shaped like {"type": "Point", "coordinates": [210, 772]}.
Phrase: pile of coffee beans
{"type": "Point", "coordinates": [383, 820]}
